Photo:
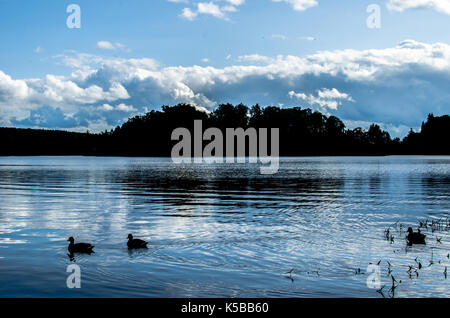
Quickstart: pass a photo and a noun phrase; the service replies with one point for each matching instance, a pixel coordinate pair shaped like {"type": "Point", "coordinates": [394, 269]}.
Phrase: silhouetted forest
{"type": "Point", "coordinates": [302, 132]}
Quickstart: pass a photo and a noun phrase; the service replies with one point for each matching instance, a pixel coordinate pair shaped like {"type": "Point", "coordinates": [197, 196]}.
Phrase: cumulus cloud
{"type": "Point", "coordinates": [397, 86]}
{"type": "Point", "coordinates": [188, 14]}
{"type": "Point", "coordinates": [121, 107]}
{"type": "Point", "coordinates": [106, 45]}
{"type": "Point", "coordinates": [211, 9]}
{"type": "Point", "coordinates": [216, 8]}
{"type": "Point", "coordinates": [252, 58]}
{"type": "Point", "coordinates": [300, 5]}
{"type": "Point", "coordinates": [58, 89]}
{"type": "Point", "coordinates": [326, 98]}
{"type": "Point", "coordinates": [12, 90]}
{"type": "Point", "coordinates": [402, 5]}
{"type": "Point", "coordinates": [221, 9]}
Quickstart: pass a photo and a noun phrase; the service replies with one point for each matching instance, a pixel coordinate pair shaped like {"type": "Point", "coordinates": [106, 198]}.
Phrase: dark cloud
{"type": "Point", "coordinates": [47, 117]}
{"type": "Point", "coordinates": [396, 87]}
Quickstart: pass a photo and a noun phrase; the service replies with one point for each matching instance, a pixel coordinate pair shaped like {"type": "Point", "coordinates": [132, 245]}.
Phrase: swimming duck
{"type": "Point", "coordinates": [84, 248]}
{"type": "Point", "coordinates": [135, 243]}
{"type": "Point", "coordinates": [415, 237]}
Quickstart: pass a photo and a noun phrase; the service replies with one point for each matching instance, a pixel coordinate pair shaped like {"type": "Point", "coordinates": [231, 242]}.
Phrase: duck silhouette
{"type": "Point", "coordinates": [135, 243]}
{"type": "Point", "coordinates": [415, 237]}
{"type": "Point", "coordinates": [83, 248]}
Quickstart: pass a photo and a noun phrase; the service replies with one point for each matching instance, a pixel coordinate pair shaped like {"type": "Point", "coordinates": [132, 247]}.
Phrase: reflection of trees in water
{"type": "Point", "coordinates": [22, 186]}
{"type": "Point", "coordinates": [60, 197]}
{"type": "Point", "coordinates": [374, 184]}
{"type": "Point", "coordinates": [436, 190]}
{"type": "Point", "coordinates": [225, 186]}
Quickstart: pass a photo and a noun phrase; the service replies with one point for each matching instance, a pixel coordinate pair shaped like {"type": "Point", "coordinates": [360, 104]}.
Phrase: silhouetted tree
{"type": "Point", "coordinates": [433, 138]}
{"type": "Point", "coordinates": [302, 132]}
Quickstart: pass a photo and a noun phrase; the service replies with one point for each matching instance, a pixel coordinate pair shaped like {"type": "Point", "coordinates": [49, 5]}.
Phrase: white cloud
{"type": "Point", "coordinates": [236, 2]}
{"type": "Point", "coordinates": [58, 89]}
{"type": "Point", "coordinates": [222, 8]}
{"type": "Point", "coordinates": [398, 85]}
{"type": "Point", "coordinates": [211, 9]}
{"type": "Point", "coordinates": [121, 107]}
{"type": "Point", "coordinates": [13, 90]}
{"type": "Point", "coordinates": [300, 5]}
{"type": "Point", "coordinates": [255, 58]}
{"type": "Point", "coordinates": [215, 8]}
{"type": "Point", "coordinates": [326, 98]}
{"type": "Point", "coordinates": [438, 5]}
{"type": "Point", "coordinates": [188, 14]}
{"type": "Point", "coordinates": [106, 45]}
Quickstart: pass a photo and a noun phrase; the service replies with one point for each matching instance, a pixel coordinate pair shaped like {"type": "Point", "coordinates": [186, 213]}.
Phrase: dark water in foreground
{"type": "Point", "coordinates": [223, 230]}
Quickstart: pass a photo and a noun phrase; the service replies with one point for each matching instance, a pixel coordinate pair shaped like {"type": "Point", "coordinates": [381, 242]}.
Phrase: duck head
{"type": "Point", "coordinates": [410, 230]}
{"type": "Point", "coordinates": [71, 240]}
{"type": "Point", "coordinates": [130, 236]}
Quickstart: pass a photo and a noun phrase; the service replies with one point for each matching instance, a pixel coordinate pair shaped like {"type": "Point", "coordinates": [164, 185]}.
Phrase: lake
{"type": "Point", "coordinates": [224, 230]}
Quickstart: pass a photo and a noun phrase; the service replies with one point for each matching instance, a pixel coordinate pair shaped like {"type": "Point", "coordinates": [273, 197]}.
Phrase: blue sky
{"type": "Point", "coordinates": [132, 56]}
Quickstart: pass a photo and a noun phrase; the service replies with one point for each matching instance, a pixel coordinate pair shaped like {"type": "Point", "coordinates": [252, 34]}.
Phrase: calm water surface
{"type": "Point", "coordinates": [221, 230]}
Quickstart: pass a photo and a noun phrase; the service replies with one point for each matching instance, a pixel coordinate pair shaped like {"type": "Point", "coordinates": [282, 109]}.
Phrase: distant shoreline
{"type": "Point", "coordinates": [303, 133]}
{"type": "Point", "coordinates": [281, 157]}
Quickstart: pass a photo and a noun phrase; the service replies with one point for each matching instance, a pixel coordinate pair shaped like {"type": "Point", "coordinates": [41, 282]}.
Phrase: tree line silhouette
{"type": "Point", "coordinates": [303, 132]}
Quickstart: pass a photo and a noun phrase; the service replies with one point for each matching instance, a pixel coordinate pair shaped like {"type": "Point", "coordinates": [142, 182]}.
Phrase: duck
{"type": "Point", "coordinates": [415, 237]}
{"type": "Point", "coordinates": [135, 243]}
{"type": "Point", "coordinates": [83, 248]}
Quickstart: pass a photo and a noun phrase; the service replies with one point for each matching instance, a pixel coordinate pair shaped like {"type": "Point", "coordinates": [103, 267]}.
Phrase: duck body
{"type": "Point", "coordinates": [83, 248]}
{"type": "Point", "coordinates": [415, 237]}
{"type": "Point", "coordinates": [135, 243]}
